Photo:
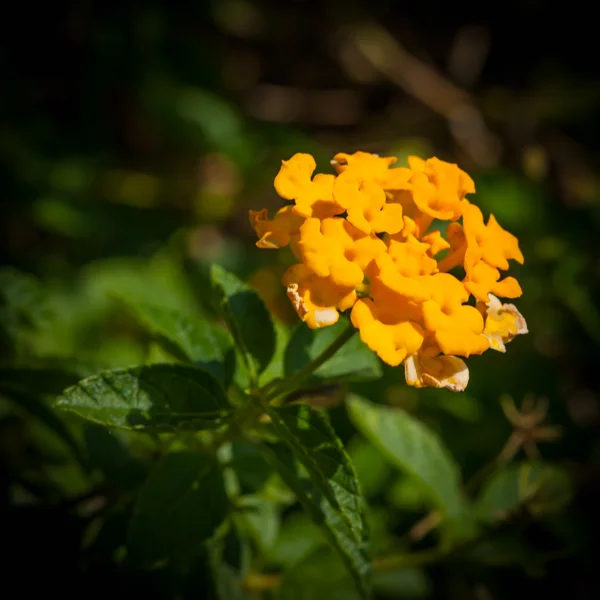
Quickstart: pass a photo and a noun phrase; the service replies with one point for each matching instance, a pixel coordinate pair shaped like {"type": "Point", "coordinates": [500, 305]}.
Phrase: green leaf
{"type": "Point", "coordinates": [227, 575]}
{"type": "Point", "coordinates": [324, 479]}
{"type": "Point", "coordinates": [249, 465]}
{"type": "Point", "coordinates": [298, 536]}
{"type": "Point", "coordinates": [410, 446]}
{"type": "Point", "coordinates": [139, 279]}
{"type": "Point", "coordinates": [248, 320]}
{"type": "Point", "coordinates": [180, 506]}
{"type": "Point", "coordinates": [542, 487]}
{"type": "Point", "coordinates": [405, 584]}
{"type": "Point", "coordinates": [202, 342]}
{"type": "Point", "coordinates": [406, 494]}
{"type": "Point", "coordinates": [373, 472]}
{"type": "Point", "coordinates": [320, 574]}
{"type": "Point", "coordinates": [107, 453]}
{"type": "Point", "coordinates": [152, 397]}
{"type": "Point", "coordinates": [275, 367]}
{"type": "Point", "coordinates": [260, 518]}
{"type": "Point", "coordinates": [382, 523]}
{"type": "Point", "coordinates": [234, 549]}
{"type": "Point", "coordinates": [353, 362]}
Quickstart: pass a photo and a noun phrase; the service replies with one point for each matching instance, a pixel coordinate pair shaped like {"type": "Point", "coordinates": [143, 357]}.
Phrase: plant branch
{"type": "Point", "coordinates": [248, 411]}
{"type": "Point", "coordinates": [293, 382]}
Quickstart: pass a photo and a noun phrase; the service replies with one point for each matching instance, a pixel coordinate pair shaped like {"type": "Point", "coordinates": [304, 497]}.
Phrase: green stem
{"type": "Point", "coordinates": [293, 382]}
{"type": "Point", "coordinates": [250, 410]}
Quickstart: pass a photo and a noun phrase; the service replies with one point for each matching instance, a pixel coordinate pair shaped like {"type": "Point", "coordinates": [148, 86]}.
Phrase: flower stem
{"type": "Point", "coordinates": [251, 409]}
{"type": "Point", "coordinates": [293, 382]}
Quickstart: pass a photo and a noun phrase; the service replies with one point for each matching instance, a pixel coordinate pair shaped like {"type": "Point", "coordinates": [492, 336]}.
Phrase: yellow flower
{"type": "Point", "coordinates": [316, 299]}
{"type": "Point", "coordinates": [436, 242]}
{"type": "Point", "coordinates": [313, 197]}
{"type": "Point", "coordinates": [412, 257]}
{"type": "Point", "coordinates": [455, 236]}
{"type": "Point", "coordinates": [335, 248]}
{"type": "Point", "coordinates": [368, 231]}
{"type": "Point", "coordinates": [482, 279]}
{"type": "Point", "coordinates": [386, 275]}
{"type": "Point", "coordinates": [278, 232]}
{"type": "Point", "coordinates": [392, 338]}
{"type": "Point", "coordinates": [366, 166]}
{"type": "Point", "coordinates": [438, 187]}
{"type": "Point", "coordinates": [488, 248]}
{"type": "Point", "coordinates": [365, 202]}
{"type": "Point", "coordinates": [457, 327]}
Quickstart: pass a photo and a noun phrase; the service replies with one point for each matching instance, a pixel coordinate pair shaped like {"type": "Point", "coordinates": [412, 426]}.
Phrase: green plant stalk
{"type": "Point", "coordinates": [252, 409]}
{"type": "Point", "coordinates": [293, 382]}
{"type": "Point", "coordinates": [248, 412]}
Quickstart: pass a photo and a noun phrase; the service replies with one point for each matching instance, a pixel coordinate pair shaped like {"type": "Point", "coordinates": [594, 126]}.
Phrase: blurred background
{"type": "Point", "coordinates": [134, 137]}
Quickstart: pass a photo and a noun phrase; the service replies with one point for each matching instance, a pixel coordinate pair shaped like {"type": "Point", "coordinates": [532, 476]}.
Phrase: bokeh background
{"type": "Point", "coordinates": [134, 137]}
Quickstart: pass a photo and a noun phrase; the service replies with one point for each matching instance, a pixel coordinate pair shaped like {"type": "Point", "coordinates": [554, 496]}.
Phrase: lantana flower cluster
{"type": "Point", "coordinates": [369, 240]}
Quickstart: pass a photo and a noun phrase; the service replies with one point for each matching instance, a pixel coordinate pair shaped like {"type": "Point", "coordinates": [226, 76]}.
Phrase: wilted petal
{"type": "Point", "coordinates": [317, 300]}
{"type": "Point", "coordinates": [503, 323]}
{"type": "Point", "coordinates": [441, 372]}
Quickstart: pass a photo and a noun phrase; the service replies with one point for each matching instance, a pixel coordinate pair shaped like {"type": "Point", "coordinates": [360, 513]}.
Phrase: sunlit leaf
{"type": "Point", "coordinates": [247, 318]}
{"type": "Point", "coordinates": [410, 446]}
{"type": "Point", "coordinates": [202, 342]}
{"type": "Point", "coordinates": [320, 473]}
{"type": "Point", "coordinates": [276, 367]}
{"type": "Point", "coordinates": [353, 362]}
{"type": "Point", "coordinates": [152, 397]}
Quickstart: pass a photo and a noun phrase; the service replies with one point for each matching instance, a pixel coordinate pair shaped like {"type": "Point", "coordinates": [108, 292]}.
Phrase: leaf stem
{"type": "Point", "coordinates": [233, 429]}
{"type": "Point", "coordinates": [292, 383]}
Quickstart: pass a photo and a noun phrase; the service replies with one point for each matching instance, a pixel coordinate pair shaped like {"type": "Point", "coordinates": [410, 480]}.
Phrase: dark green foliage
{"type": "Point", "coordinates": [138, 320]}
